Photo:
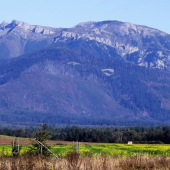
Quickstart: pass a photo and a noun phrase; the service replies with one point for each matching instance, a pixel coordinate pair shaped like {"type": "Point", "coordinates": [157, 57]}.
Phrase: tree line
{"type": "Point", "coordinates": [100, 134]}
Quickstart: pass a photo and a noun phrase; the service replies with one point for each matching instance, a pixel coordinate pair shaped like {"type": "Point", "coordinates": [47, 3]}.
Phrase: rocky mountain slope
{"type": "Point", "coordinates": [141, 45]}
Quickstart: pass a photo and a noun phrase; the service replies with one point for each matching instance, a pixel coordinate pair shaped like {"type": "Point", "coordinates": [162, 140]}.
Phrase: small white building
{"type": "Point", "coordinates": [130, 142]}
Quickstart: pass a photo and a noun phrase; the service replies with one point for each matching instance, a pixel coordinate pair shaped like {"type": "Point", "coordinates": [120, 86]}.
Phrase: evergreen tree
{"type": "Point", "coordinates": [41, 136]}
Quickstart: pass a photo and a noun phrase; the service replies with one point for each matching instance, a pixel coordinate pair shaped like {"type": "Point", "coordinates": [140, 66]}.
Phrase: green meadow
{"type": "Point", "coordinates": [115, 150]}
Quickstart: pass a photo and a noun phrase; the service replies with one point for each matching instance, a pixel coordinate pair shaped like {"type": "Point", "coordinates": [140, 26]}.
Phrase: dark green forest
{"type": "Point", "coordinates": [99, 134]}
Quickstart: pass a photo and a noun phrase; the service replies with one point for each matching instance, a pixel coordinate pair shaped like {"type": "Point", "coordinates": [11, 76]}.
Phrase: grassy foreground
{"type": "Point", "coordinates": [73, 161]}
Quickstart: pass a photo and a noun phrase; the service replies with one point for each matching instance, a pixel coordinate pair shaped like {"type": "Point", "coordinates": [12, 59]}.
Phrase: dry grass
{"type": "Point", "coordinates": [74, 161]}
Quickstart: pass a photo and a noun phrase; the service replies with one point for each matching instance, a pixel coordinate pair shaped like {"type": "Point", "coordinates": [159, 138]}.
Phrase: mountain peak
{"type": "Point", "coordinates": [22, 24]}
{"type": "Point", "coordinates": [4, 23]}
{"type": "Point", "coordinates": [16, 22]}
{"type": "Point", "coordinates": [12, 24]}
{"type": "Point", "coordinates": [82, 24]}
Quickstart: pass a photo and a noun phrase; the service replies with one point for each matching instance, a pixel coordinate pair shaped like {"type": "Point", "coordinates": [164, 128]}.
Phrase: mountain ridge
{"type": "Point", "coordinates": [141, 45]}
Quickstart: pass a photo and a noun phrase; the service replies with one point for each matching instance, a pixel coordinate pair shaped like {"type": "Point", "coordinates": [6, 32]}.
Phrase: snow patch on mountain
{"type": "Point", "coordinates": [108, 71]}
{"type": "Point", "coordinates": [160, 53]}
{"type": "Point", "coordinates": [73, 63]}
{"type": "Point", "coordinates": [160, 64]}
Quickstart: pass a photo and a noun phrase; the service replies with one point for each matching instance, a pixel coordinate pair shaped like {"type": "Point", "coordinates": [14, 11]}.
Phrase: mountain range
{"type": "Point", "coordinates": [95, 73]}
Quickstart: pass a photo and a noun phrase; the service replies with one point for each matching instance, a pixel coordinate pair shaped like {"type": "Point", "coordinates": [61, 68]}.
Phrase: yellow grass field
{"type": "Point", "coordinates": [92, 156]}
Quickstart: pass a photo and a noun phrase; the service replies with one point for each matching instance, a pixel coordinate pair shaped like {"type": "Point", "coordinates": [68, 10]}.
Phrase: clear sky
{"type": "Point", "coordinates": [67, 13]}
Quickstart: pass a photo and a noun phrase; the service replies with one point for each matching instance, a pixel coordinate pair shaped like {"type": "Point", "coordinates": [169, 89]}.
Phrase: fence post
{"type": "Point", "coordinates": [41, 150]}
{"type": "Point", "coordinates": [18, 146]}
{"type": "Point", "coordinates": [78, 147]}
{"type": "Point", "coordinates": [73, 146]}
{"type": "Point", "coordinates": [15, 147]}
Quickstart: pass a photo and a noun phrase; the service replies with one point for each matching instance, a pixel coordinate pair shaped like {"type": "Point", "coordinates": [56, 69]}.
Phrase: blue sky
{"type": "Point", "coordinates": [67, 13]}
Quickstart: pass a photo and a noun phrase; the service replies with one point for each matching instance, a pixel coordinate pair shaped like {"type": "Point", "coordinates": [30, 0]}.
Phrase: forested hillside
{"type": "Point", "coordinates": [58, 86]}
